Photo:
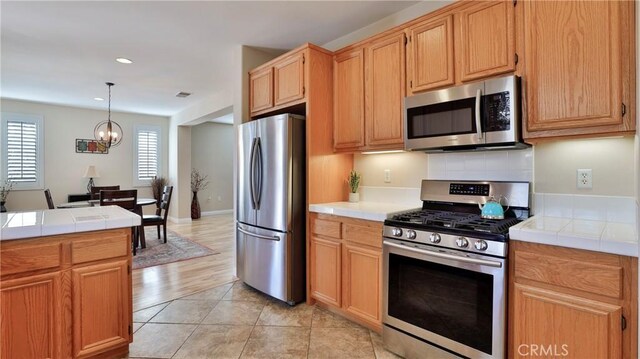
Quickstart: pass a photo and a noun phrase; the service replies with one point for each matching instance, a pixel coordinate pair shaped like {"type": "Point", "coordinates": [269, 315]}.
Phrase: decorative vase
{"type": "Point", "coordinates": [354, 197]}
{"type": "Point", "coordinates": [195, 207]}
{"type": "Point", "coordinates": [2, 207]}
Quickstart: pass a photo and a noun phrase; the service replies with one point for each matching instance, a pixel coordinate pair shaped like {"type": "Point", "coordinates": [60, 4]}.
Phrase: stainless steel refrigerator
{"type": "Point", "coordinates": [270, 227]}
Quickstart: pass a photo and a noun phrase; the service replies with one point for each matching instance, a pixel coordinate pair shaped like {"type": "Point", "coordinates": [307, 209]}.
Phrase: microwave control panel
{"type": "Point", "coordinates": [497, 110]}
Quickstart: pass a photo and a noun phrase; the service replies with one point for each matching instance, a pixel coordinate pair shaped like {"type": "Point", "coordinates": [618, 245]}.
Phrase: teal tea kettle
{"type": "Point", "coordinates": [492, 209]}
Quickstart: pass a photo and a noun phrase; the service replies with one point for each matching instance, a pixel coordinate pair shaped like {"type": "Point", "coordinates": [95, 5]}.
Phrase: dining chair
{"type": "Point", "coordinates": [47, 195]}
{"type": "Point", "coordinates": [127, 199]}
{"type": "Point", "coordinates": [95, 191]}
{"type": "Point", "coordinates": [162, 212]}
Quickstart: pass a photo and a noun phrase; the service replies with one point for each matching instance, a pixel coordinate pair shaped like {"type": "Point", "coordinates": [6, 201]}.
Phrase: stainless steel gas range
{"type": "Point", "coordinates": [445, 271]}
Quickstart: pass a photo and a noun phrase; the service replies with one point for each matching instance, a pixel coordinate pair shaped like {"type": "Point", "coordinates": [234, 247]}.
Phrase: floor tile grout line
{"type": "Point", "coordinates": [181, 345]}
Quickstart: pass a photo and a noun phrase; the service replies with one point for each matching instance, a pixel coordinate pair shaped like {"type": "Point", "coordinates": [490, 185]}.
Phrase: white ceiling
{"type": "Point", "coordinates": [63, 52]}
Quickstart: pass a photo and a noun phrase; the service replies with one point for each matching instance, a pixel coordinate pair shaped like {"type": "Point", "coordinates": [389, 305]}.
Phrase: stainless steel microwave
{"type": "Point", "coordinates": [477, 116]}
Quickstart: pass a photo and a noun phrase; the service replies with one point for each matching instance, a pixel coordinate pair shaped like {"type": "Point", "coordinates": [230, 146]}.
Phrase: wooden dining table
{"type": "Point", "coordinates": [141, 202]}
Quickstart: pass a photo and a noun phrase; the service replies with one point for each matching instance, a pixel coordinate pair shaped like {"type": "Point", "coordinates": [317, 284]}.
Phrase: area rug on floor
{"type": "Point", "coordinates": [176, 249]}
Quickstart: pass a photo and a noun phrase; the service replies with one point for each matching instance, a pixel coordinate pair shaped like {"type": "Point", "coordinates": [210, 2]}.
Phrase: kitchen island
{"type": "Point", "coordinates": [65, 286]}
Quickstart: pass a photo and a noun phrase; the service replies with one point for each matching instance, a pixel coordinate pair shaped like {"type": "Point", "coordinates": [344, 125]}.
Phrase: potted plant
{"type": "Point", "coordinates": [4, 193]}
{"type": "Point", "coordinates": [354, 183]}
{"type": "Point", "coordinates": [157, 184]}
{"type": "Point", "coordinates": [198, 183]}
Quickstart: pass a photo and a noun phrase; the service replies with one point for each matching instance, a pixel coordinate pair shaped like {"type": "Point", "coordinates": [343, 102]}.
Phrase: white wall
{"type": "Point", "coordinates": [407, 169]}
{"type": "Point", "coordinates": [64, 168]}
{"type": "Point", "coordinates": [212, 154]}
{"type": "Point", "coordinates": [611, 159]}
{"type": "Point", "coordinates": [180, 150]}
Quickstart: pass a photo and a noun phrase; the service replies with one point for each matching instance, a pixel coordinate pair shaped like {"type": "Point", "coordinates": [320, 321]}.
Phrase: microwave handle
{"type": "Point", "coordinates": [478, 126]}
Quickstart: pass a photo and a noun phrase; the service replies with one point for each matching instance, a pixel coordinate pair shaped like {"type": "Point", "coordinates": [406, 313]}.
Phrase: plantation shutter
{"type": "Point", "coordinates": [22, 151]}
{"type": "Point", "coordinates": [147, 154]}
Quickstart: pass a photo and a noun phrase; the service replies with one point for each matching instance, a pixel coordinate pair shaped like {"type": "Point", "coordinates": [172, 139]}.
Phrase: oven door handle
{"type": "Point", "coordinates": [445, 255]}
{"type": "Point", "coordinates": [478, 119]}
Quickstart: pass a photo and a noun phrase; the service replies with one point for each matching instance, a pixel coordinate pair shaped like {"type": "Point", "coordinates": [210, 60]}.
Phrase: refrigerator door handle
{"type": "Point", "coordinates": [252, 189]}
{"type": "Point", "coordinates": [260, 172]}
{"type": "Point", "coordinates": [271, 238]}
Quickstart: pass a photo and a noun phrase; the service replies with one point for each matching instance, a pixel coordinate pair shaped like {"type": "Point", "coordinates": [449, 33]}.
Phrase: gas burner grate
{"type": "Point", "coordinates": [488, 225]}
{"type": "Point", "coordinates": [457, 220]}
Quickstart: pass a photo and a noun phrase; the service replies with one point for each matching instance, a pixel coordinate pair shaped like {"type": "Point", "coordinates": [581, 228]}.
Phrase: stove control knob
{"type": "Point", "coordinates": [462, 242]}
{"type": "Point", "coordinates": [480, 245]}
{"type": "Point", "coordinates": [397, 232]}
{"type": "Point", "coordinates": [411, 234]}
{"type": "Point", "coordinates": [434, 238]}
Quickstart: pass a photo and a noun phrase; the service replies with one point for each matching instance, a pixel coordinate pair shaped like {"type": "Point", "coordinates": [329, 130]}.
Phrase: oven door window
{"type": "Point", "coordinates": [452, 302]}
{"type": "Point", "coordinates": [442, 119]}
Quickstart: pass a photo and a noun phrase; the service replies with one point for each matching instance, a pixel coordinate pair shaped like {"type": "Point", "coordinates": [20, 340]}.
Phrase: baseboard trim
{"type": "Point", "coordinates": [217, 213]}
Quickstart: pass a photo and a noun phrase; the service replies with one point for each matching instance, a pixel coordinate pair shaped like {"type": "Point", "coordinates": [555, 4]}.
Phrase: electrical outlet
{"type": "Point", "coordinates": [219, 198]}
{"type": "Point", "coordinates": [387, 176]}
{"type": "Point", "coordinates": [585, 178]}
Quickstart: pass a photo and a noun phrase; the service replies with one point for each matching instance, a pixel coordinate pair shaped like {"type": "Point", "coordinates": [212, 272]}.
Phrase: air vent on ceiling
{"type": "Point", "coordinates": [183, 94]}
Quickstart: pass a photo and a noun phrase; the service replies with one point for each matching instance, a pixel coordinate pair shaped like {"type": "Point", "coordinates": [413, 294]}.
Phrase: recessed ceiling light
{"type": "Point", "coordinates": [98, 98]}
{"type": "Point", "coordinates": [123, 60]}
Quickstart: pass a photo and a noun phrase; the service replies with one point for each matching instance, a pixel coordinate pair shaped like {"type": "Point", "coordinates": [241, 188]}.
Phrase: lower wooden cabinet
{"type": "Point", "coordinates": [565, 325]}
{"type": "Point", "coordinates": [361, 281]}
{"type": "Point", "coordinates": [30, 312]}
{"type": "Point", "coordinates": [325, 266]}
{"type": "Point", "coordinates": [100, 310]}
{"type": "Point", "coordinates": [345, 267]}
{"type": "Point", "coordinates": [60, 300]}
{"type": "Point", "coordinates": [571, 303]}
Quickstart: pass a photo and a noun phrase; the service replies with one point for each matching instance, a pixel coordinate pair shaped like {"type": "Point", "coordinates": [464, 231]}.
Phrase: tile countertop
{"type": "Point", "coordinates": [16, 225]}
{"type": "Point", "coordinates": [599, 236]}
{"type": "Point", "coordinates": [372, 211]}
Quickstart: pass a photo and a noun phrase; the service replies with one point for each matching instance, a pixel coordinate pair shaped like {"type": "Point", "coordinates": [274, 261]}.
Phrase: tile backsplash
{"type": "Point", "coordinates": [594, 208]}
{"type": "Point", "coordinates": [511, 165]}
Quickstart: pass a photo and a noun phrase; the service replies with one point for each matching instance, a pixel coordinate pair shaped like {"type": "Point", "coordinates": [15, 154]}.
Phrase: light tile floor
{"type": "Point", "coordinates": [235, 321]}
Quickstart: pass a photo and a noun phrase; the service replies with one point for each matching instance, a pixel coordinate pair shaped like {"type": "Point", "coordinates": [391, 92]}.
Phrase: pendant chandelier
{"type": "Point", "coordinates": [108, 131]}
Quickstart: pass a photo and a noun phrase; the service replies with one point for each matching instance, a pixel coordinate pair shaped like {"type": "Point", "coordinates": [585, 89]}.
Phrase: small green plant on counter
{"type": "Point", "coordinates": [354, 181]}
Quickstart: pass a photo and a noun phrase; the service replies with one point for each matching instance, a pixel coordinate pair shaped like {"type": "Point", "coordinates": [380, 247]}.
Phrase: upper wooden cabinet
{"type": "Point", "coordinates": [288, 77]}
{"type": "Point", "coordinates": [261, 88]}
{"type": "Point", "coordinates": [579, 67]}
{"type": "Point", "coordinates": [384, 92]}
{"type": "Point", "coordinates": [487, 40]}
{"type": "Point", "coordinates": [279, 83]}
{"type": "Point", "coordinates": [369, 86]}
{"type": "Point", "coordinates": [431, 54]}
{"type": "Point", "coordinates": [348, 94]}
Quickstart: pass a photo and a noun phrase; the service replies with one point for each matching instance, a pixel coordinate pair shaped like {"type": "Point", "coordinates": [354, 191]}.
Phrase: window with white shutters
{"type": "Point", "coordinates": [147, 150]}
{"type": "Point", "coordinates": [22, 159]}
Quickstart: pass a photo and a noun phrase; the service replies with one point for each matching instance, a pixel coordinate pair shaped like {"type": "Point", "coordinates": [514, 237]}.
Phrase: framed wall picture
{"type": "Point", "coordinates": [91, 146]}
